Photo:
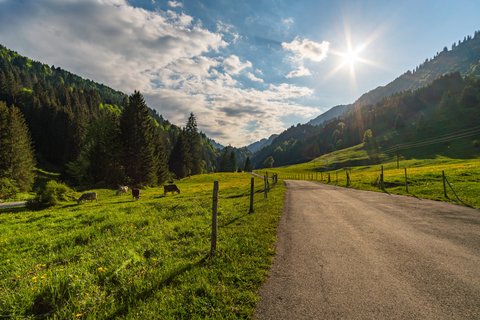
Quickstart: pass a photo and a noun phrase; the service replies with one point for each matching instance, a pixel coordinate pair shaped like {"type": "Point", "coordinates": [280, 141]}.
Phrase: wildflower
{"type": "Point", "coordinates": [34, 279]}
{"type": "Point", "coordinates": [78, 315]}
{"type": "Point", "coordinates": [43, 276]}
{"type": "Point", "coordinates": [102, 269]}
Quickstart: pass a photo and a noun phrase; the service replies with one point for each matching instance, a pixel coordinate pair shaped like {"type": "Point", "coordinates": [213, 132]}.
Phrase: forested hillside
{"type": "Point", "coordinates": [450, 104]}
{"type": "Point", "coordinates": [440, 95]}
{"type": "Point", "coordinates": [82, 129]}
{"type": "Point", "coordinates": [463, 57]}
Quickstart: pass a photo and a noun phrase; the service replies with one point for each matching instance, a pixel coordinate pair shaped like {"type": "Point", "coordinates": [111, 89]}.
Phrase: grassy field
{"type": "Point", "coordinates": [146, 259]}
{"type": "Point", "coordinates": [424, 175]}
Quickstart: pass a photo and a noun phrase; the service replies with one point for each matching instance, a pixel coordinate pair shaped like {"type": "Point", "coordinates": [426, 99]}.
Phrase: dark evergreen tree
{"type": "Point", "coordinates": [161, 152]}
{"type": "Point", "coordinates": [194, 161]}
{"type": "Point", "coordinates": [17, 161]}
{"type": "Point", "coordinates": [137, 136]}
{"type": "Point", "coordinates": [99, 160]}
{"type": "Point", "coordinates": [248, 165]}
{"type": "Point", "coordinates": [232, 162]}
{"type": "Point", "coordinates": [179, 156]}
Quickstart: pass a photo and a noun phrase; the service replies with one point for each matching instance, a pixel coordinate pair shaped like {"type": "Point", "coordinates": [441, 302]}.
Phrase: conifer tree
{"type": "Point", "coordinates": [17, 160]}
{"type": "Point", "coordinates": [161, 153]}
{"type": "Point", "coordinates": [194, 161]}
{"type": "Point", "coordinates": [178, 158]}
{"type": "Point", "coordinates": [137, 132]}
{"type": "Point", "coordinates": [248, 165]}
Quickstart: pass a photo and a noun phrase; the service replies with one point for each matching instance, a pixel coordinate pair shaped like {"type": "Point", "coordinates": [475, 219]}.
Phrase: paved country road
{"type": "Point", "coordinates": [351, 254]}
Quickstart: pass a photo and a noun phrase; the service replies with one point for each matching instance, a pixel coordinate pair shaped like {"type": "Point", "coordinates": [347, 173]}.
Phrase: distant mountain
{"type": "Point", "coordinates": [332, 113]}
{"type": "Point", "coordinates": [216, 145]}
{"type": "Point", "coordinates": [441, 95]}
{"type": "Point", "coordinates": [254, 147]}
{"type": "Point", "coordinates": [464, 57]}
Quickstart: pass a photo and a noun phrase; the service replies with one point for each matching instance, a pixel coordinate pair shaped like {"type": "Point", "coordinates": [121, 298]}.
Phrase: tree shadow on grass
{"type": "Point", "coordinates": [150, 292]}
{"type": "Point", "coordinates": [14, 210]}
{"type": "Point", "coordinates": [233, 220]}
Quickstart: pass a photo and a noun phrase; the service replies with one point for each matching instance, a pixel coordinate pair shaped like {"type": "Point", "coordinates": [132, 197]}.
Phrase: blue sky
{"type": "Point", "coordinates": [247, 69]}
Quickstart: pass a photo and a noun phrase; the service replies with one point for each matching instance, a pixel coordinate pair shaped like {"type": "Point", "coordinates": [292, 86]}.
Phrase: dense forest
{"type": "Point", "coordinates": [92, 134]}
{"type": "Point", "coordinates": [451, 103]}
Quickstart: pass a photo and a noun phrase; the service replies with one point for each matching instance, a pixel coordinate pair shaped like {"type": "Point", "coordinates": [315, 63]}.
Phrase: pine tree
{"type": "Point", "coordinates": [232, 162]}
{"type": "Point", "coordinates": [17, 160]}
{"type": "Point", "coordinates": [194, 161]}
{"type": "Point", "coordinates": [248, 165]}
{"type": "Point", "coordinates": [179, 156]}
{"type": "Point", "coordinates": [161, 147]}
{"type": "Point", "coordinates": [137, 132]}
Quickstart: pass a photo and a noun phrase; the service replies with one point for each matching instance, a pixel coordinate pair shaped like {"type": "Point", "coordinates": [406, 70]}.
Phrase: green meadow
{"type": "Point", "coordinates": [145, 259]}
{"type": "Point", "coordinates": [424, 175]}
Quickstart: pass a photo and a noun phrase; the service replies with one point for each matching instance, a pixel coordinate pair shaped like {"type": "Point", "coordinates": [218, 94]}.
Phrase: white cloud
{"type": "Point", "coordinates": [288, 22]}
{"type": "Point", "coordinates": [233, 65]}
{"type": "Point", "coordinates": [176, 63]}
{"type": "Point", "coordinates": [253, 77]}
{"type": "Point", "coordinates": [307, 49]}
{"type": "Point", "coordinates": [175, 4]}
{"type": "Point", "coordinates": [301, 71]}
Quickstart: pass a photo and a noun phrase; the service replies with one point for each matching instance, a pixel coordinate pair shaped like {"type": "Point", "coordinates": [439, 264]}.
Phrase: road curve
{"type": "Point", "coordinates": [351, 254]}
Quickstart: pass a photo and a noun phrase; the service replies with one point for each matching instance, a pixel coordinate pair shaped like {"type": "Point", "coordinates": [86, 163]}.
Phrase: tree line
{"type": "Point", "coordinates": [92, 134]}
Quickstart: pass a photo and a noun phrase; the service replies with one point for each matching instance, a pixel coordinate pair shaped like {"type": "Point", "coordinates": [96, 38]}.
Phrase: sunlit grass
{"type": "Point", "coordinates": [140, 259]}
{"type": "Point", "coordinates": [424, 175]}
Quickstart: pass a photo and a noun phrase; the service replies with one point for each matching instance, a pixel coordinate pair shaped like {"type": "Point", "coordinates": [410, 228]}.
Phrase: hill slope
{"type": "Point", "coordinates": [59, 106]}
{"type": "Point", "coordinates": [464, 57]}
{"type": "Point", "coordinates": [435, 106]}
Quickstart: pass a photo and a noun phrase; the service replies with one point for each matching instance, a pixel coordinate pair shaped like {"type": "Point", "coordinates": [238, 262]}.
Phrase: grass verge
{"type": "Point", "coordinates": [424, 176]}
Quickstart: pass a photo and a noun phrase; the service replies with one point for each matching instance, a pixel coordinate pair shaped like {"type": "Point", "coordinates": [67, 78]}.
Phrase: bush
{"type": "Point", "coordinates": [53, 193]}
{"type": "Point", "coordinates": [7, 188]}
{"type": "Point", "coordinates": [476, 143]}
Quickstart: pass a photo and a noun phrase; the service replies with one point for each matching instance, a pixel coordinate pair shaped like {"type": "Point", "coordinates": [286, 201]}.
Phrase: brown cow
{"type": "Point", "coordinates": [170, 188]}
{"type": "Point", "coordinates": [136, 193]}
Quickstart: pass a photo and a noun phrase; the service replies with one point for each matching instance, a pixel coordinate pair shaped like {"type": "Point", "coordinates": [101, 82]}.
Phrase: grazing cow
{"type": "Point", "coordinates": [136, 193]}
{"type": "Point", "coordinates": [122, 189]}
{"type": "Point", "coordinates": [170, 188]}
{"type": "Point", "coordinates": [88, 196]}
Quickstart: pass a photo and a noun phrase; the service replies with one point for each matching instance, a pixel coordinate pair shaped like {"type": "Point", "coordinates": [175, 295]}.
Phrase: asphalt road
{"type": "Point", "coordinates": [351, 254]}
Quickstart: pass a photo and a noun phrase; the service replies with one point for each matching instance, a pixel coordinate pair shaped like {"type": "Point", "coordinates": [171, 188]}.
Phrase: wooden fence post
{"type": "Point", "coordinates": [406, 180]}
{"type": "Point", "coordinates": [381, 180]}
{"type": "Point", "coordinates": [329, 177]}
{"type": "Point", "coordinates": [213, 246]}
{"type": "Point", "coordinates": [265, 187]}
{"type": "Point", "coordinates": [444, 185]}
{"type": "Point", "coordinates": [336, 177]}
{"type": "Point", "coordinates": [348, 178]}
{"type": "Point", "coordinates": [252, 192]}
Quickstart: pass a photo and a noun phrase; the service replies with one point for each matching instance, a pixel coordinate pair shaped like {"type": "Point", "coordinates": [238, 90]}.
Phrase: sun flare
{"type": "Point", "coordinates": [350, 57]}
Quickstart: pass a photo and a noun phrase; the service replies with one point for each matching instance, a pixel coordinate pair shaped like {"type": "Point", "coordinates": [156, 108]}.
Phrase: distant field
{"type": "Point", "coordinates": [424, 175]}
{"type": "Point", "coordinates": [141, 259]}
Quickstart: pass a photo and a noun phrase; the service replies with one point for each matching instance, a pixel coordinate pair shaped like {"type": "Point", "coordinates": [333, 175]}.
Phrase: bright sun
{"type": "Point", "coordinates": [350, 57]}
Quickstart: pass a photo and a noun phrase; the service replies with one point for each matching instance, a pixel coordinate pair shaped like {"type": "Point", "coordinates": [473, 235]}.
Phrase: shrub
{"type": "Point", "coordinates": [53, 193]}
{"type": "Point", "coordinates": [476, 143]}
{"type": "Point", "coordinates": [7, 188]}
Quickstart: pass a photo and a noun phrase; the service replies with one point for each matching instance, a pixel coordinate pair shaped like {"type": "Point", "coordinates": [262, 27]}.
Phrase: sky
{"type": "Point", "coordinates": [247, 69]}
